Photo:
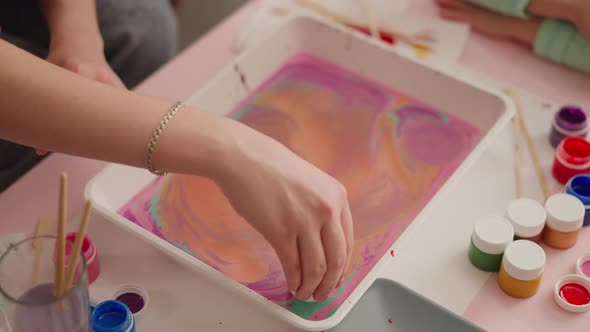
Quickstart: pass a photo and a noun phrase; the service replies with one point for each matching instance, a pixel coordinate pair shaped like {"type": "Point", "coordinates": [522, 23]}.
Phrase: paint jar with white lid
{"type": "Point", "coordinates": [527, 216]}
{"type": "Point", "coordinates": [565, 216]}
{"type": "Point", "coordinates": [491, 235]}
{"type": "Point", "coordinates": [579, 187]}
{"type": "Point", "coordinates": [522, 269]}
{"type": "Point", "coordinates": [112, 316]}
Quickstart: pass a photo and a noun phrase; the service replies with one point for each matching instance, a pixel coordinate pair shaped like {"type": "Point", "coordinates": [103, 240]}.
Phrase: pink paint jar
{"type": "Point", "coordinates": [583, 266]}
{"type": "Point", "coordinates": [89, 251]}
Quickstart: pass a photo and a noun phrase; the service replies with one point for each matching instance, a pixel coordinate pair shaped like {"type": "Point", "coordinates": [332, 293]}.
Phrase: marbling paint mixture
{"type": "Point", "coordinates": [392, 153]}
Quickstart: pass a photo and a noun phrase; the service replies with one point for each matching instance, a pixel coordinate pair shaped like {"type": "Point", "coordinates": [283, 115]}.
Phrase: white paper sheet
{"type": "Point", "coordinates": [449, 37]}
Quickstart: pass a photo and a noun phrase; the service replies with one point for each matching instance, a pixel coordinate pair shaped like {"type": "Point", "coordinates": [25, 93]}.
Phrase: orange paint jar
{"type": "Point", "coordinates": [522, 269]}
{"type": "Point", "coordinates": [565, 216]}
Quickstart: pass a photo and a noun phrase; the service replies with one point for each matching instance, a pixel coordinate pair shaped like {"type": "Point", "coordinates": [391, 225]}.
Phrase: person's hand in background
{"type": "Point", "coordinates": [76, 43]}
{"type": "Point", "coordinates": [85, 58]}
{"type": "Point", "coordinates": [490, 23]}
{"type": "Point", "coordinates": [507, 27]}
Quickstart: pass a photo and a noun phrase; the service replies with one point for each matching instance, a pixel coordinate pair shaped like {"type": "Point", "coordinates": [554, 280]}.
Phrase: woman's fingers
{"type": "Point", "coordinates": [347, 228]}
{"type": "Point", "coordinates": [334, 242]}
{"type": "Point", "coordinates": [313, 263]}
{"type": "Point", "coordinates": [288, 253]}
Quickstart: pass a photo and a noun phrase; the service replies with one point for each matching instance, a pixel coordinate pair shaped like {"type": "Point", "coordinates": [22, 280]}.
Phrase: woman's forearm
{"type": "Point", "coordinates": [50, 108]}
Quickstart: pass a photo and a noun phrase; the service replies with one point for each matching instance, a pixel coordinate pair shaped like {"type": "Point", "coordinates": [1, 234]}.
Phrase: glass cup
{"type": "Point", "coordinates": [27, 273]}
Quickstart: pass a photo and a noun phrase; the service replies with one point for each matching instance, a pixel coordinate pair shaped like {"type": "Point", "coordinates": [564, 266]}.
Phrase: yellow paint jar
{"type": "Point", "coordinates": [522, 269]}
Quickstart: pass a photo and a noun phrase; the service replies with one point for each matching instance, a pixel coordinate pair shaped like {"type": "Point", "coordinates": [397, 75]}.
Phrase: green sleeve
{"type": "Point", "coordinates": [516, 8]}
{"type": "Point", "coordinates": [561, 42]}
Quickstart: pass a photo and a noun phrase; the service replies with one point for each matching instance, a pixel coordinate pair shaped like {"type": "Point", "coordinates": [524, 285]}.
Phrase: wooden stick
{"type": "Point", "coordinates": [517, 149]}
{"type": "Point", "coordinates": [317, 7]}
{"type": "Point", "coordinates": [531, 145]}
{"type": "Point", "coordinates": [368, 9]}
{"type": "Point", "coordinates": [77, 248]}
{"type": "Point", "coordinates": [61, 236]}
{"type": "Point", "coordinates": [38, 247]}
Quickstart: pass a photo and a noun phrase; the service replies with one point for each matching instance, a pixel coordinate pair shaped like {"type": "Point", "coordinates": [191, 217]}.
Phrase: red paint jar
{"type": "Point", "coordinates": [89, 251]}
{"type": "Point", "coordinates": [571, 158]}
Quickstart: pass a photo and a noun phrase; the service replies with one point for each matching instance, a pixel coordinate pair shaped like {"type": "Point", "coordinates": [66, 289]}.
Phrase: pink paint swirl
{"type": "Point", "coordinates": [392, 153]}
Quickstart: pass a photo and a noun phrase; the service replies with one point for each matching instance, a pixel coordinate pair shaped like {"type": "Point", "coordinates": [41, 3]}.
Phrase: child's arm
{"type": "Point", "coordinates": [516, 8]}
{"type": "Point", "coordinates": [302, 211]}
{"type": "Point", "coordinates": [561, 42]}
{"type": "Point", "coordinates": [553, 39]}
{"type": "Point", "coordinates": [564, 9]}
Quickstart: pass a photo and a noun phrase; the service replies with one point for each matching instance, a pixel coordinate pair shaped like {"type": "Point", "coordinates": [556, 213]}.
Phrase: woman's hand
{"type": "Point", "coordinates": [302, 211]}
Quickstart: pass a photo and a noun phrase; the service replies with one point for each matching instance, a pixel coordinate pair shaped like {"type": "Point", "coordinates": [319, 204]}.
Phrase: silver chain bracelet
{"type": "Point", "coordinates": [156, 136]}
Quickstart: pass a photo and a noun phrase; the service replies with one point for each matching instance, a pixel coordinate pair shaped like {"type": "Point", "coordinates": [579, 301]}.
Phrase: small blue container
{"type": "Point", "coordinates": [579, 187]}
{"type": "Point", "coordinates": [112, 316]}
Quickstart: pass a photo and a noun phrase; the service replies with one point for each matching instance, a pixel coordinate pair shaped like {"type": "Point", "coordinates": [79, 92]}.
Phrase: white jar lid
{"type": "Point", "coordinates": [524, 260]}
{"type": "Point", "coordinates": [527, 217]}
{"type": "Point", "coordinates": [492, 234]}
{"type": "Point", "coordinates": [565, 213]}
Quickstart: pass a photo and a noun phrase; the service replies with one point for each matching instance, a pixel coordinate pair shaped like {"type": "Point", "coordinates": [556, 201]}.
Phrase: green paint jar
{"type": "Point", "coordinates": [491, 235]}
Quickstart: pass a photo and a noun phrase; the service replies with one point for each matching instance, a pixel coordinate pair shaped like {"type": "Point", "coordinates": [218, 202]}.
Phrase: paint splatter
{"type": "Point", "coordinates": [242, 76]}
{"type": "Point", "coordinates": [390, 320]}
{"type": "Point", "coordinates": [421, 52]}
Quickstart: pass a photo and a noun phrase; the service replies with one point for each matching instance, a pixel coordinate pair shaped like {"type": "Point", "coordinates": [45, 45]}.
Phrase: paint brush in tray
{"type": "Point", "coordinates": [521, 129]}
{"type": "Point", "coordinates": [389, 36]}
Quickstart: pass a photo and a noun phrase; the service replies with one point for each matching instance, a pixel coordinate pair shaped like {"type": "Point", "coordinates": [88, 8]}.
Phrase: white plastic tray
{"type": "Point", "coordinates": [481, 106]}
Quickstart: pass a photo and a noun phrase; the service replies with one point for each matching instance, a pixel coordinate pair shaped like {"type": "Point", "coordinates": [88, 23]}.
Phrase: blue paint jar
{"type": "Point", "coordinates": [112, 316]}
{"type": "Point", "coordinates": [579, 187]}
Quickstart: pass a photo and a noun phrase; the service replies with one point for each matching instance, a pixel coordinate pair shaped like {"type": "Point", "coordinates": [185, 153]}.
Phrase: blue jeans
{"type": "Point", "coordinates": [139, 36]}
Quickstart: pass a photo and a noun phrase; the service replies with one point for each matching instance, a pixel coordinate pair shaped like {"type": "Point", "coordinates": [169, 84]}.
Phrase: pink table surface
{"type": "Point", "coordinates": [493, 310]}
{"type": "Point", "coordinates": [35, 194]}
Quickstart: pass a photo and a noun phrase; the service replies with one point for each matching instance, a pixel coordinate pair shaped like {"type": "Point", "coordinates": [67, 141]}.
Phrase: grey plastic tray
{"type": "Point", "coordinates": [408, 311]}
